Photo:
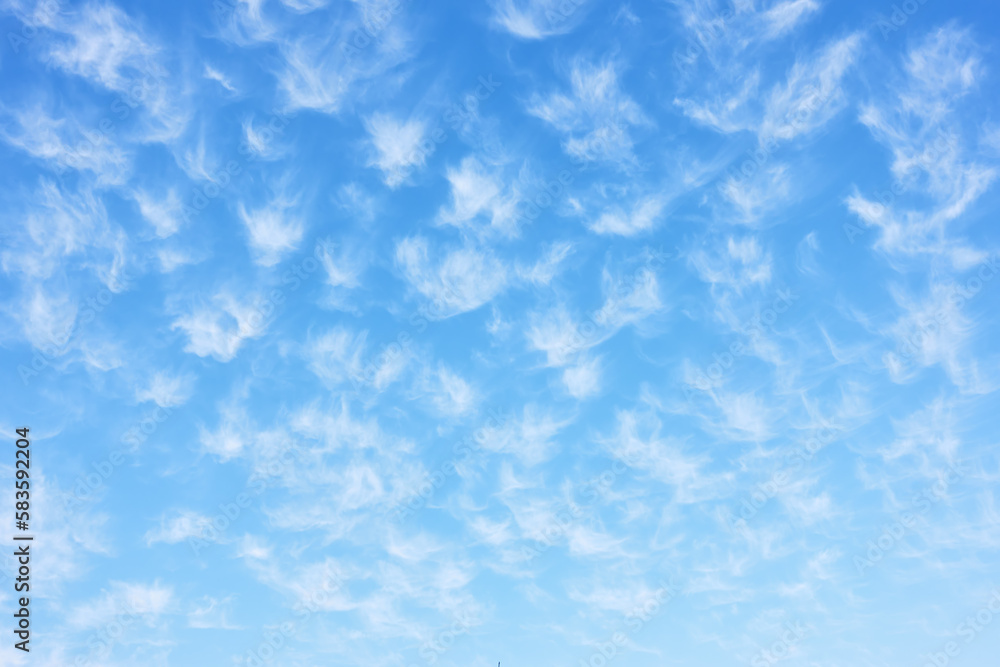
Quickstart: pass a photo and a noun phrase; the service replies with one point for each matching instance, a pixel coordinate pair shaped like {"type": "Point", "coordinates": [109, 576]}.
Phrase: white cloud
{"type": "Point", "coordinates": [218, 330]}
{"type": "Point", "coordinates": [173, 258]}
{"type": "Point", "coordinates": [739, 265]}
{"type": "Point", "coordinates": [215, 75]}
{"type": "Point", "coordinates": [918, 122]}
{"type": "Point", "coordinates": [166, 390]}
{"type": "Point", "coordinates": [49, 320]}
{"type": "Point", "coordinates": [931, 330]}
{"type": "Point", "coordinates": [195, 160]}
{"type": "Point", "coordinates": [381, 367]}
{"type": "Point", "coordinates": [812, 93]}
{"type": "Point", "coordinates": [253, 547]}
{"type": "Point", "coordinates": [810, 96]}
{"type": "Point", "coordinates": [274, 229]}
{"type": "Point", "coordinates": [584, 379]}
{"type": "Point", "coordinates": [754, 196]}
{"type": "Point", "coordinates": [450, 394]}
{"type": "Point", "coordinates": [476, 192]}
{"type": "Point", "coordinates": [164, 214]}
{"type": "Point", "coordinates": [463, 280]}
{"type": "Point", "coordinates": [67, 144]}
{"type": "Point", "coordinates": [234, 436]}
{"type": "Point", "coordinates": [335, 429]}
{"type": "Point", "coordinates": [58, 229]}
{"type": "Point", "coordinates": [784, 17]}
{"type": "Point", "coordinates": [536, 19]}
{"type": "Point", "coordinates": [358, 201]}
{"type": "Point", "coordinates": [595, 117]}
{"type": "Point", "coordinates": [927, 432]}
{"type": "Point", "coordinates": [628, 299]}
{"type": "Point", "coordinates": [805, 254]}
{"type": "Point", "coordinates": [212, 614]}
{"type": "Point", "coordinates": [397, 147]}
{"type": "Point", "coordinates": [557, 335]}
{"type": "Point", "coordinates": [319, 73]}
{"type": "Point", "coordinates": [638, 444]}
{"type": "Point", "coordinates": [102, 44]}
{"type": "Point", "coordinates": [338, 355]}
{"type": "Point", "coordinates": [310, 79]}
{"type": "Point", "coordinates": [122, 600]}
{"type": "Point", "coordinates": [259, 140]}
{"type": "Point", "coordinates": [304, 6]}
{"type": "Point", "coordinates": [644, 216]}
{"type": "Point", "coordinates": [726, 33]}
{"type": "Point", "coordinates": [545, 269]}
{"type": "Point", "coordinates": [105, 46]}
{"type": "Point", "coordinates": [180, 527]}
{"type": "Point", "coordinates": [727, 112]}
{"type": "Point", "coordinates": [529, 437]}
{"type": "Point", "coordinates": [745, 415]}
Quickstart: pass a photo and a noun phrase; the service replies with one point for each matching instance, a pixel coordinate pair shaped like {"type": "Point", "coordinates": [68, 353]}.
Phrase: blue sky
{"type": "Point", "coordinates": [536, 331]}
